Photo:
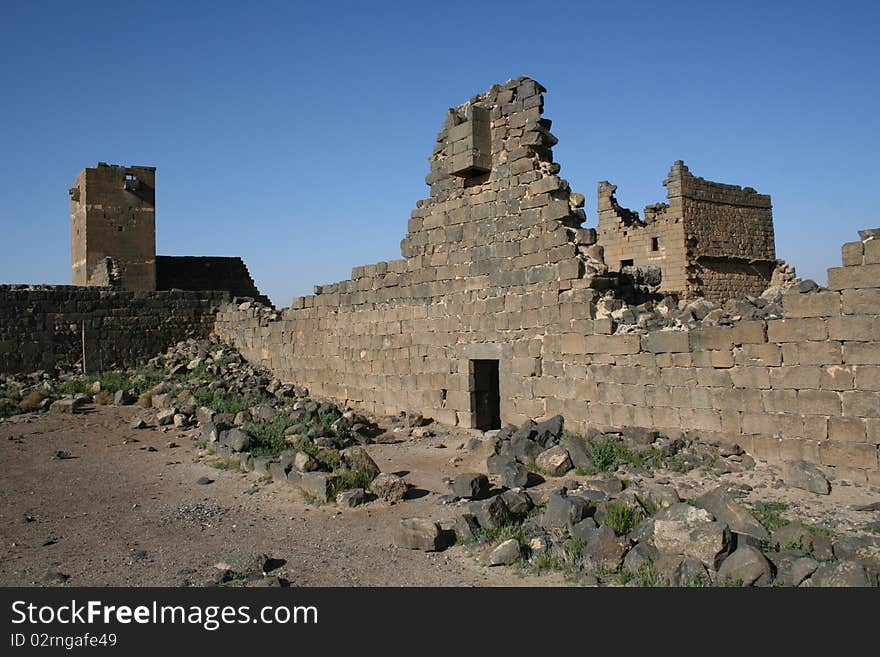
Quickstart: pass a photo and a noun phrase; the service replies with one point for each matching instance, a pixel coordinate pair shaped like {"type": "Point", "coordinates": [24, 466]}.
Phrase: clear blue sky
{"type": "Point", "coordinates": [296, 135]}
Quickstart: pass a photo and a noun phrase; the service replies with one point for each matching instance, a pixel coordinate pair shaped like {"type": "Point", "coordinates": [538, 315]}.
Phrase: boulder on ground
{"type": "Point", "coordinates": [492, 513]}
{"type": "Point", "coordinates": [466, 528]}
{"type": "Point", "coordinates": [514, 475]}
{"type": "Point", "coordinates": [797, 536]}
{"type": "Point", "coordinates": [357, 457]}
{"type": "Point", "coordinates": [792, 567]}
{"type": "Point", "coordinates": [318, 485]}
{"type": "Point", "coordinates": [563, 510]}
{"type": "Point", "coordinates": [507, 553]}
{"type": "Point", "coordinates": [470, 486]}
{"type": "Point", "coordinates": [235, 439]}
{"type": "Point", "coordinates": [66, 405]}
{"type": "Point", "coordinates": [840, 573]}
{"type": "Point", "coordinates": [124, 397]}
{"type": "Point", "coordinates": [605, 549]}
{"type": "Point", "coordinates": [418, 534]}
{"type": "Point", "coordinates": [554, 461]}
{"type": "Point", "coordinates": [746, 566]}
{"type": "Point", "coordinates": [351, 498]}
{"type": "Point", "coordinates": [578, 453]}
{"type": "Point", "coordinates": [727, 510]}
{"type": "Point", "coordinates": [806, 476]}
{"type": "Point", "coordinates": [698, 535]}
{"type": "Point", "coordinates": [389, 487]}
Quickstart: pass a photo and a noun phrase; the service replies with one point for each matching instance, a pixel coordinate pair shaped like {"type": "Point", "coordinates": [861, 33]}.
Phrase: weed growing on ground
{"type": "Point", "coordinates": [768, 514]}
{"type": "Point", "coordinates": [622, 518]}
{"type": "Point", "coordinates": [267, 438]}
{"type": "Point", "coordinates": [226, 463]}
{"type": "Point", "coordinates": [647, 577]}
{"type": "Point", "coordinates": [608, 453]}
{"type": "Point", "coordinates": [349, 479]}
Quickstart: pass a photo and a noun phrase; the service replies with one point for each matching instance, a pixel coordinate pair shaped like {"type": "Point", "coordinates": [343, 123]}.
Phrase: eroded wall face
{"type": "Point", "coordinates": [731, 244]}
{"type": "Point", "coordinates": [113, 215]}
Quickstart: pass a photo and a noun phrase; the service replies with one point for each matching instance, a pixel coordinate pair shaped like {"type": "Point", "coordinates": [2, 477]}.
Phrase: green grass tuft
{"type": "Point", "coordinates": [769, 514]}
{"type": "Point", "coordinates": [621, 518]}
{"type": "Point", "coordinates": [349, 479]}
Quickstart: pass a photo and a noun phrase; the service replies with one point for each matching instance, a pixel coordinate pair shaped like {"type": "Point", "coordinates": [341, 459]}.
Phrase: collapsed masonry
{"type": "Point", "coordinates": [113, 239]}
{"type": "Point", "coordinates": [493, 314]}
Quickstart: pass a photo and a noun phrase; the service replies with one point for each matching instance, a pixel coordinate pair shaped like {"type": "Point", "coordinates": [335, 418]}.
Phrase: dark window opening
{"type": "Point", "coordinates": [486, 395]}
{"type": "Point", "coordinates": [119, 228]}
{"type": "Point", "coordinates": [626, 263]}
{"type": "Point", "coordinates": [655, 243]}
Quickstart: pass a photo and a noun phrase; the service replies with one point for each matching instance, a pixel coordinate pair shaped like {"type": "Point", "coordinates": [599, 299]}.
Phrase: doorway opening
{"type": "Point", "coordinates": [485, 395]}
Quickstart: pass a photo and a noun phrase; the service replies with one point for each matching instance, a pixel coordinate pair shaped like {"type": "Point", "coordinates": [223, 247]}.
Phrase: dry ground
{"type": "Point", "coordinates": [120, 515]}
{"type": "Point", "coordinates": [117, 514]}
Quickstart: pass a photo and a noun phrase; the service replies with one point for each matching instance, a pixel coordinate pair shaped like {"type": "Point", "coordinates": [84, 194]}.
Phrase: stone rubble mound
{"type": "Point", "coordinates": [613, 529]}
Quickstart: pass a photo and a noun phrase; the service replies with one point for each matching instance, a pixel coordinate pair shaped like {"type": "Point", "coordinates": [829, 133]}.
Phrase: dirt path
{"type": "Point", "coordinates": [117, 514]}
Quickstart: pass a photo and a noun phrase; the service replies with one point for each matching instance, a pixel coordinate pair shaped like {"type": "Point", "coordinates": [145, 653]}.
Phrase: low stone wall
{"type": "Point", "coordinates": [807, 386]}
{"type": "Point", "coordinates": [42, 326]}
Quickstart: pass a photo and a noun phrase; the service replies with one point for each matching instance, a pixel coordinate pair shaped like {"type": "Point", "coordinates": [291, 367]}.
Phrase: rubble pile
{"type": "Point", "coordinates": [619, 528]}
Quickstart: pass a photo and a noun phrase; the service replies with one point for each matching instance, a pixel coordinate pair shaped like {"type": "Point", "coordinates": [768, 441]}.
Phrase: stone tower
{"type": "Point", "coordinates": [113, 227]}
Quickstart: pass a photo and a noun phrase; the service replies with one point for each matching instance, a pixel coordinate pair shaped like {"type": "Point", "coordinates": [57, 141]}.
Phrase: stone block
{"type": "Point", "coordinates": [861, 302]}
{"type": "Point", "coordinates": [751, 377]}
{"type": "Point", "coordinates": [854, 278]}
{"type": "Point", "coordinates": [847, 429]}
{"type": "Point", "coordinates": [818, 402]}
{"type": "Point", "coordinates": [796, 330]}
{"type": "Point", "coordinates": [861, 353]}
{"type": "Point", "coordinates": [815, 304]}
{"type": "Point", "coordinates": [852, 254]}
{"type": "Point", "coordinates": [665, 341]}
{"type": "Point", "coordinates": [853, 455]}
{"type": "Point", "coordinates": [858, 403]}
{"type": "Point", "coordinates": [854, 328]}
{"type": "Point", "coordinates": [872, 252]}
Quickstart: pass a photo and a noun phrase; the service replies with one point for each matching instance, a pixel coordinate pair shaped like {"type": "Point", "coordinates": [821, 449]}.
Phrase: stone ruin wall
{"type": "Point", "coordinates": [655, 240]}
{"type": "Point", "coordinates": [496, 266]}
{"type": "Point", "coordinates": [41, 326]}
{"type": "Point", "coordinates": [709, 239]}
{"type": "Point", "coordinates": [730, 236]}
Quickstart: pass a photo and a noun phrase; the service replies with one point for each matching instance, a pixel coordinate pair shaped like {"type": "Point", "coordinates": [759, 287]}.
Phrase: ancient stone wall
{"type": "Point", "coordinates": [655, 240]}
{"type": "Point", "coordinates": [207, 273]}
{"type": "Point", "coordinates": [113, 215]}
{"type": "Point", "coordinates": [497, 269]}
{"type": "Point", "coordinates": [709, 239]}
{"type": "Point", "coordinates": [42, 326]}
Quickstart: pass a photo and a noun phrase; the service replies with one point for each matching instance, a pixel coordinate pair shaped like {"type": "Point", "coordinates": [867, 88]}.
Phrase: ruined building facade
{"type": "Point", "coordinates": [113, 239]}
{"type": "Point", "coordinates": [709, 240]}
{"type": "Point", "coordinates": [490, 316]}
